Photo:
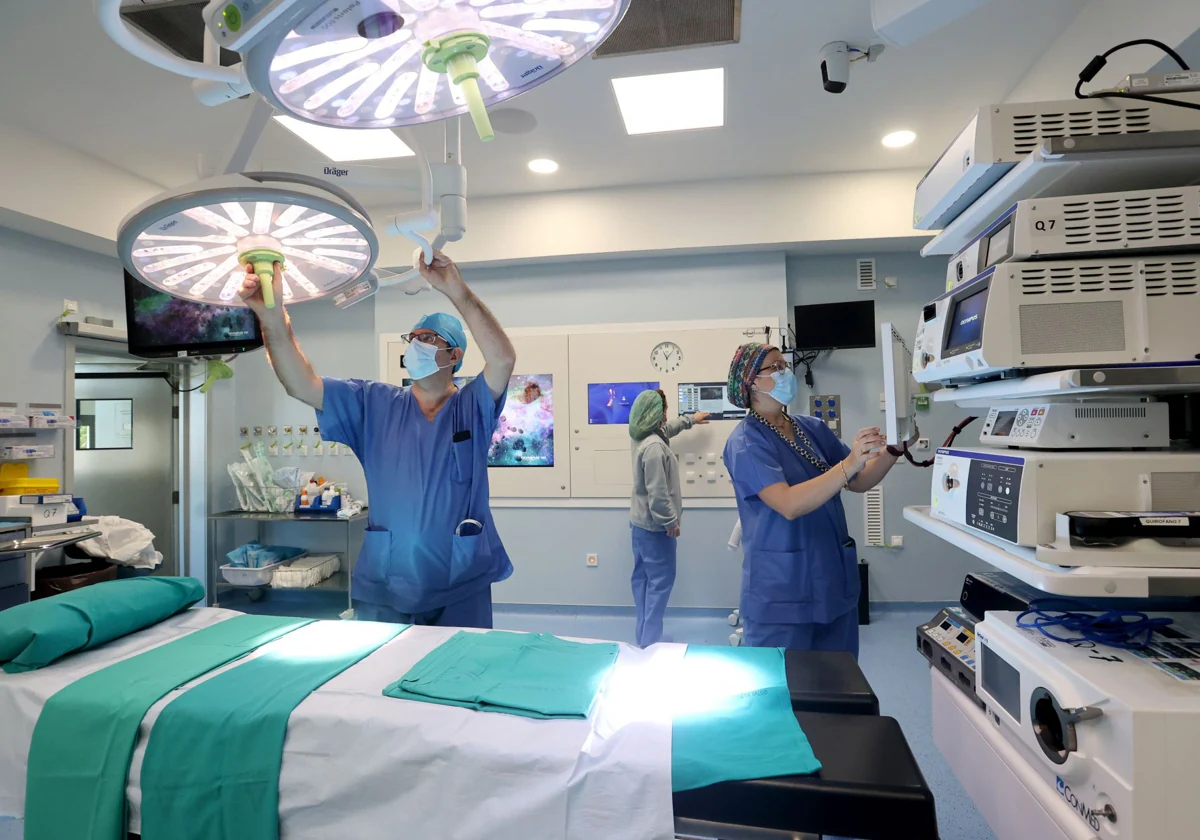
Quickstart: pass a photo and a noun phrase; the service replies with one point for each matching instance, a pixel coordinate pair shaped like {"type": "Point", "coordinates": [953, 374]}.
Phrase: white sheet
{"type": "Point", "coordinates": [359, 764]}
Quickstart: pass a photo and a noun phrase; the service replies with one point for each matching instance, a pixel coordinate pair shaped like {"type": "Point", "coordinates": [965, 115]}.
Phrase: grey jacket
{"type": "Point", "coordinates": [657, 501]}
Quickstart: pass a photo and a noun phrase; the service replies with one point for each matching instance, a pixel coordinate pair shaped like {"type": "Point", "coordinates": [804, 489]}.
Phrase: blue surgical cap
{"type": "Point", "coordinates": [448, 327]}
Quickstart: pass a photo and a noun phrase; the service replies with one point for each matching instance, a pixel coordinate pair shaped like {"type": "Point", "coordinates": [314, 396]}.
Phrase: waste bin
{"type": "Point", "coordinates": [52, 580]}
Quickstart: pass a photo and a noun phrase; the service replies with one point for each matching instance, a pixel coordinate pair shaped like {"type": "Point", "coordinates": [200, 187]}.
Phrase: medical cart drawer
{"type": "Point", "coordinates": [869, 787]}
{"type": "Point", "coordinates": [11, 596]}
{"type": "Point", "coordinates": [828, 681]}
{"type": "Point", "coordinates": [12, 569]}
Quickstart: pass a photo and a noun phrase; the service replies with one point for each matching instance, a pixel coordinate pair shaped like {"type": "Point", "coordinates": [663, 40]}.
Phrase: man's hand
{"type": "Point", "coordinates": [673, 531]}
{"type": "Point", "coordinates": [251, 293]}
{"type": "Point", "coordinates": [442, 274]}
{"type": "Point", "coordinates": [700, 418]}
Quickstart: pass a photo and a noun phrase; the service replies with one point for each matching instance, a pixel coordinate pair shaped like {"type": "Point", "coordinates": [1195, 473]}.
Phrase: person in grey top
{"type": "Point", "coordinates": [655, 509]}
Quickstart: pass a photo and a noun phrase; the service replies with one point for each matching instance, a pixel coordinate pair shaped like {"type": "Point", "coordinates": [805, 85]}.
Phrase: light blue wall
{"type": "Point", "coordinates": [926, 568]}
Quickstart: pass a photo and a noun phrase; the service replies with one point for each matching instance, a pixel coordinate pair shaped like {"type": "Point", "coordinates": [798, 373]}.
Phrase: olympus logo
{"type": "Point", "coordinates": [335, 172]}
{"type": "Point", "coordinates": [966, 321]}
{"type": "Point", "coordinates": [533, 70]}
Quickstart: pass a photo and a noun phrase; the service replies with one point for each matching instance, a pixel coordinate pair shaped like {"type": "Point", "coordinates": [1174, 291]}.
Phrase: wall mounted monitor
{"type": "Point", "coordinates": [897, 386]}
{"type": "Point", "coordinates": [835, 326]}
{"type": "Point", "coordinates": [162, 326]}
{"type": "Point", "coordinates": [709, 397]}
{"type": "Point", "coordinates": [524, 435]}
{"type": "Point", "coordinates": [609, 402]}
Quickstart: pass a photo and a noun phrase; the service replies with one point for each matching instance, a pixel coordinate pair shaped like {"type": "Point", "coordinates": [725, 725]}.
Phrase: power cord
{"type": "Point", "coordinates": [1099, 62]}
{"type": "Point", "coordinates": [902, 450]}
{"type": "Point", "coordinates": [1124, 629]}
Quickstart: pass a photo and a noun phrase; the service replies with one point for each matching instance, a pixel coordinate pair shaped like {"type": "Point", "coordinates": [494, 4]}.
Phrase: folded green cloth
{"type": "Point", "coordinates": [733, 719]}
{"type": "Point", "coordinates": [35, 634]}
{"type": "Point", "coordinates": [525, 674]}
{"type": "Point", "coordinates": [85, 735]}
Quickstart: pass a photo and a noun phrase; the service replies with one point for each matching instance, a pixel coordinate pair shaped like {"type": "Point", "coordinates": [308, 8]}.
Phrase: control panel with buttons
{"type": "Point", "coordinates": [948, 642]}
{"type": "Point", "coordinates": [828, 409]}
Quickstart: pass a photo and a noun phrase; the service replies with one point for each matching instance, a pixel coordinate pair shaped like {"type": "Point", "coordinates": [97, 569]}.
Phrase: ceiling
{"type": "Point", "coordinates": [82, 90]}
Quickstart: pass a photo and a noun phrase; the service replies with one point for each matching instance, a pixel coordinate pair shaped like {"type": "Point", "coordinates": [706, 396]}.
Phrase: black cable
{"type": "Point", "coordinates": [1098, 63]}
{"type": "Point", "coordinates": [902, 450]}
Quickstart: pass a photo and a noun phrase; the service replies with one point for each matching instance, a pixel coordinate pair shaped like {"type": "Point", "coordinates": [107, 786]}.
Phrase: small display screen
{"type": "Point", "coordinates": [524, 436]}
{"type": "Point", "coordinates": [1001, 680]}
{"type": "Point", "coordinates": [999, 246]}
{"type": "Point", "coordinates": [709, 397]}
{"type": "Point", "coordinates": [836, 326]}
{"type": "Point", "coordinates": [963, 637]}
{"type": "Point", "coordinates": [159, 325]}
{"type": "Point", "coordinates": [1004, 423]}
{"type": "Point", "coordinates": [609, 402]}
{"type": "Point", "coordinates": [966, 323]}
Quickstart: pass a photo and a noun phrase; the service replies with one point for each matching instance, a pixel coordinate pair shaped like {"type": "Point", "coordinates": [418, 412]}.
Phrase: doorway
{"type": "Point", "coordinates": [125, 444]}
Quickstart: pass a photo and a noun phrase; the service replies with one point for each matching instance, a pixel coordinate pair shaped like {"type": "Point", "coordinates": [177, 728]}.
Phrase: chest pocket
{"type": "Point", "coordinates": [462, 452]}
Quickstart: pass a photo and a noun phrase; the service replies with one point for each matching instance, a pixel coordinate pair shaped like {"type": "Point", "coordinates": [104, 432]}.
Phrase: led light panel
{"type": "Point", "coordinates": [188, 243]}
{"type": "Point", "coordinates": [364, 68]}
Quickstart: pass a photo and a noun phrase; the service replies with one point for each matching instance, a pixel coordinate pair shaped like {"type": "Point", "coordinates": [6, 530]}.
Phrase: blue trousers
{"type": "Point", "coordinates": [839, 634]}
{"type": "Point", "coordinates": [475, 611]}
{"type": "Point", "coordinates": [653, 578]}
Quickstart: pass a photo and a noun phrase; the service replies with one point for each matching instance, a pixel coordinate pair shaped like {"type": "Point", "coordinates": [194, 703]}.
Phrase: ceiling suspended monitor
{"type": "Point", "coordinates": [835, 326]}
{"type": "Point", "coordinates": [162, 326]}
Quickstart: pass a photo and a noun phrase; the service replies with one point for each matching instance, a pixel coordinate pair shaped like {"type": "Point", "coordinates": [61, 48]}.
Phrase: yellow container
{"type": "Point", "coordinates": [15, 481]}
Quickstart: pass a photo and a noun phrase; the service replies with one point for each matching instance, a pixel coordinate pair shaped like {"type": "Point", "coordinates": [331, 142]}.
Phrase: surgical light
{"type": "Point", "coordinates": [194, 242]}
{"type": "Point", "coordinates": [389, 63]}
{"type": "Point", "coordinates": [899, 139]}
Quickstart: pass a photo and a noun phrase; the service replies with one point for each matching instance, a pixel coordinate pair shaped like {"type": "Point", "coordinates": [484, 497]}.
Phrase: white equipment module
{"type": "Point", "coordinates": [1078, 425]}
{"type": "Point", "coordinates": [1013, 497]}
{"type": "Point", "coordinates": [999, 136]}
{"type": "Point", "coordinates": [1113, 732]}
{"type": "Point", "coordinates": [1028, 316]}
{"type": "Point", "coordinates": [1134, 221]}
{"type": "Point", "coordinates": [897, 385]}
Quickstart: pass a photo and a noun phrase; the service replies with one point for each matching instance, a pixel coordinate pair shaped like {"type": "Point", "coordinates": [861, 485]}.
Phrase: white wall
{"type": "Point", "coordinates": [925, 569]}
{"type": "Point", "coordinates": [35, 277]}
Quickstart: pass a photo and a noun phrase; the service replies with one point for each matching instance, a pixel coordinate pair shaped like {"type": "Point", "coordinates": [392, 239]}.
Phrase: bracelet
{"type": "Point", "coordinates": [842, 467]}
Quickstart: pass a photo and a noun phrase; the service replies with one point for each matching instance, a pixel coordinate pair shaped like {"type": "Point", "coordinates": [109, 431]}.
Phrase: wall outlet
{"type": "Point", "coordinates": [922, 444]}
{"type": "Point", "coordinates": [70, 307]}
{"type": "Point", "coordinates": [921, 401]}
{"type": "Point", "coordinates": [891, 282]}
{"type": "Point", "coordinates": [896, 542]}
{"type": "Point", "coordinates": [593, 560]}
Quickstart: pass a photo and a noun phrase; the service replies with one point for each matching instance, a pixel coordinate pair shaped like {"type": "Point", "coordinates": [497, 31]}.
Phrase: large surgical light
{"type": "Point", "coordinates": [194, 242]}
{"type": "Point", "coordinates": [390, 63]}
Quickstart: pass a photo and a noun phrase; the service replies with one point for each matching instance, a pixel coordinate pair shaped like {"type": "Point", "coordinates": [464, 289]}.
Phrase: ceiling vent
{"type": "Point", "coordinates": [866, 274]}
{"type": "Point", "coordinates": [177, 25]}
{"type": "Point", "coordinates": [659, 25]}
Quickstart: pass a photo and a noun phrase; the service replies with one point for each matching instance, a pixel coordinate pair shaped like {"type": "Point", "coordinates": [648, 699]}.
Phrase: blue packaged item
{"type": "Point", "coordinates": [255, 555]}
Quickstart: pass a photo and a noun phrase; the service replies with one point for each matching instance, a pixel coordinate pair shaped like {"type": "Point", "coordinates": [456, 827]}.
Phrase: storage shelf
{"type": "Point", "coordinates": [1133, 380]}
{"type": "Point", "coordinates": [254, 516]}
{"type": "Point", "coordinates": [1074, 582]}
{"type": "Point", "coordinates": [337, 582]}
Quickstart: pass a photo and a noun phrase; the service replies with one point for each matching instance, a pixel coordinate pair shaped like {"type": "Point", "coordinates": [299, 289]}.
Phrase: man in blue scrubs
{"type": "Point", "coordinates": [431, 551]}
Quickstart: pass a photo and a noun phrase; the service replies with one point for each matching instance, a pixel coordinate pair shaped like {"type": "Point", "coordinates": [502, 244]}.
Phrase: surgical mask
{"type": "Point", "coordinates": [785, 387]}
{"type": "Point", "coordinates": [421, 360]}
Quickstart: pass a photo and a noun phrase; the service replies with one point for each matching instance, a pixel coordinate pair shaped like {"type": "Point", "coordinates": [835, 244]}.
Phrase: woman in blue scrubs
{"type": "Point", "coordinates": [800, 572]}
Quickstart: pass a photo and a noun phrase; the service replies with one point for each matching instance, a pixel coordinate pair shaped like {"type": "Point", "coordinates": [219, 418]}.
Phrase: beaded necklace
{"type": "Point", "coordinates": [805, 452]}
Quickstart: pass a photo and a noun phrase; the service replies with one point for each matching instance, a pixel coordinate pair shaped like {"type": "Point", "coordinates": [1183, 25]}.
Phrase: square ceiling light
{"type": "Point", "coordinates": [342, 145]}
{"type": "Point", "coordinates": [672, 101]}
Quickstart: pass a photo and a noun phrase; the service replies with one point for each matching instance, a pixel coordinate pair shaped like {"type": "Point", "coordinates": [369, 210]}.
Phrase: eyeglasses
{"type": "Point", "coordinates": [425, 338]}
{"type": "Point", "coordinates": [778, 367]}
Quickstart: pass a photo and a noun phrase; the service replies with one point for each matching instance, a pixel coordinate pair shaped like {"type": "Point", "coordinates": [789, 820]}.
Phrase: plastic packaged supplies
{"type": "Point", "coordinates": [255, 555]}
{"type": "Point", "coordinates": [306, 572]}
{"type": "Point", "coordinates": [261, 488]}
{"type": "Point", "coordinates": [123, 543]}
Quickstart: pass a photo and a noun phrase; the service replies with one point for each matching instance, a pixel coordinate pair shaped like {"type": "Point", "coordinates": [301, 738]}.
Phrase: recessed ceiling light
{"type": "Point", "coordinates": [899, 139]}
{"type": "Point", "coordinates": [672, 101]}
{"type": "Point", "coordinates": [543, 166]}
{"type": "Point", "coordinates": [347, 144]}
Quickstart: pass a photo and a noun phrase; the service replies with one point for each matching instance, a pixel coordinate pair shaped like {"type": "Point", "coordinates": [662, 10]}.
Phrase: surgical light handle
{"type": "Point", "coordinates": [109, 14]}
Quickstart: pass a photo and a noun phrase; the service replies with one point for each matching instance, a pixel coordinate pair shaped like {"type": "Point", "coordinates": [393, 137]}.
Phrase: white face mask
{"type": "Point", "coordinates": [421, 360]}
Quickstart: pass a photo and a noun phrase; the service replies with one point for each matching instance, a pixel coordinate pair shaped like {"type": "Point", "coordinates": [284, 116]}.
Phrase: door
{"type": "Point", "coordinates": [124, 452]}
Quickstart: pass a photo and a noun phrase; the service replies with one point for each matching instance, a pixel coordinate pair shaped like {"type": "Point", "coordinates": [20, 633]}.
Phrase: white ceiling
{"type": "Point", "coordinates": [80, 89]}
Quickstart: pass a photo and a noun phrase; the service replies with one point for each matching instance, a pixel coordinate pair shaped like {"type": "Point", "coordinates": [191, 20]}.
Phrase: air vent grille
{"type": "Point", "coordinates": [873, 507]}
{"type": "Point", "coordinates": [1068, 278]}
{"type": "Point", "coordinates": [866, 274]}
{"type": "Point", "coordinates": [1172, 277]}
{"type": "Point", "coordinates": [1175, 491]}
{"type": "Point", "coordinates": [1172, 218]}
{"type": "Point", "coordinates": [1127, 412]}
{"type": "Point", "coordinates": [659, 25]}
{"type": "Point", "coordinates": [1030, 129]}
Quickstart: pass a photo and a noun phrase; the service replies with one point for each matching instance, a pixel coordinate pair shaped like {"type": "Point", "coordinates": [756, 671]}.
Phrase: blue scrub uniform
{"type": "Point", "coordinates": [423, 479]}
{"type": "Point", "coordinates": [800, 578]}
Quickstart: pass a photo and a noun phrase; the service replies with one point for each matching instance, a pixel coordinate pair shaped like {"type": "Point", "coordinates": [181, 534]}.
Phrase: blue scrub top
{"type": "Point", "coordinates": [423, 479]}
{"type": "Point", "coordinates": [800, 571]}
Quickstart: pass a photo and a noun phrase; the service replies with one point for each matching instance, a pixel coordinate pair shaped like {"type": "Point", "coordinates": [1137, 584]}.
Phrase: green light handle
{"type": "Point", "coordinates": [464, 72]}
{"type": "Point", "coordinates": [217, 370]}
{"type": "Point", "coordinates": [264, 261]}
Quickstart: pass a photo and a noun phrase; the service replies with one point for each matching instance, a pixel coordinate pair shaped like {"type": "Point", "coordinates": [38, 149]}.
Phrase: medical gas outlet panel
{"type": "Point", "coordinates": [1136, 222]}
{"type": "Point", "coordinates": [1078, 425]}
{"type": "Point", "coordinates": [1030, 316]}
{"type": "Point", "coordinates": [1012, 497]}
{"type": "Point", "coordinates": [1112, 732]}
{"type": "Point", "coordinates": [828, 409]}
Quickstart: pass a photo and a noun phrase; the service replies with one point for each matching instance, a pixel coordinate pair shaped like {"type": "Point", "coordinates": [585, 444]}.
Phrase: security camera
{"type": "Point", "coordinates": [835, 66]}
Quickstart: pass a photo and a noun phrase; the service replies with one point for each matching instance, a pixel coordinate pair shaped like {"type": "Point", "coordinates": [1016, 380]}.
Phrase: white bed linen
{"type": "Point", "coordinates": [362, 765]}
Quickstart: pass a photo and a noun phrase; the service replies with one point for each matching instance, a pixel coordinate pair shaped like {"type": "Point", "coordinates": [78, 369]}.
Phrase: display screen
{"type": "Point", "coordinates": [709, 397]}
{"type": "Point", "coordinates": [524, 436]}
{"type": "Point", "coordinates": [836, 326]}
{"type": "Point", "coordinates": [966, 323]}
{"type": "Point", "coordinates": [999, 246]}
{"type": "Point", "coordinates": [160, 325]}
{"type": "Point", "coordinates": [1001, 680]}
{"type": "Point", "coordinates": [609, 402]}
{"type": "Point", "coordinates": [1004, 423]}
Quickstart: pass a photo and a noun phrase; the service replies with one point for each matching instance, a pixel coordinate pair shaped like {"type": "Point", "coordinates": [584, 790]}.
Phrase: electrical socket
{"type": "Point", "coordinates": [922, 444]}
{"type": "Point", "coordinates": [70, 307]}
{"type": "Point", "coordinates": [593, 560]}
{"type": "Point", "coordinates": [897, 541]}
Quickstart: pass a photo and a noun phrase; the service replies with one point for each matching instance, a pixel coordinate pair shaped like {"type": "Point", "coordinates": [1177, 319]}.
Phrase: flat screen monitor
{"type": "Point", "coordinates": [836, 326]}
{"type": "Point", "coordinates": [897, 386]}
{"type": "Point", "coordinates": [965, 331]}
{"type": "Point", "coordinates": [524, 435]}
{"type": "Point", "coordinates": [609, 402]}
{"type": "Point", "coordinates": [709, 397]}
{"type": "Point", "coordinates": [161, 326]}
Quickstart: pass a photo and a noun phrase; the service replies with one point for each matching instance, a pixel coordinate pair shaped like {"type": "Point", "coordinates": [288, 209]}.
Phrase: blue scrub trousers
{"type": "Point", "coordinates": [839, 634]}
{"type": "Point", "coordinates": [653, 578]}
{"type": "Point", "coordinates": [475, 611]}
